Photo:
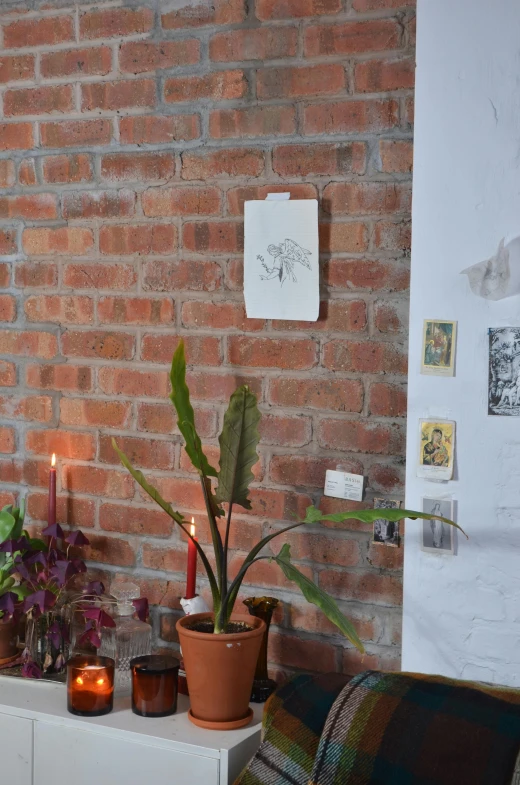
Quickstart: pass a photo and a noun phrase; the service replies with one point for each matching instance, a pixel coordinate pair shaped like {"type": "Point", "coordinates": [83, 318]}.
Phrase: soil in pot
{"type": "Point", "coordinates": [220, 669]}
{"type": "Point", "coordinates": [208, 626]}
{"type": "Point", "coordinates": [8, 639]}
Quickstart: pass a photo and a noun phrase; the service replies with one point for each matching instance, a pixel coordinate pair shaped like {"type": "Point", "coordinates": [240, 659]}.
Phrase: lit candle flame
{"type": "Point", "coordinates": [100, 681]}
{"type": "Point", "coordinates": [192, 527]}
{"type": "Point", "coordinates": [53, 460]}
{"type": "Point", "coordinates": [79, 680]}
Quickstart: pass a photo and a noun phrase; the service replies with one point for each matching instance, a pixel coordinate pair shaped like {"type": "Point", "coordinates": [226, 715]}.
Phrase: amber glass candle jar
{"type": "Point", "coordinates": [90, 685]}
{"type": "Point", "coordinates": [154, 685]}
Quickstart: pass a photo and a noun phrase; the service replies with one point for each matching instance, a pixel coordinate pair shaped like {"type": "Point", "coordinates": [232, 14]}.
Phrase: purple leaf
{"type": "Point", "coordinates": [79, 565]}
{"type": "Point", "coordinates": [90, 636]}
{"type": "Point", "coordinates": [31, 671]}
{"type": "Point", "coordinates": [94, 587]}
{"type": "Point", "coordinates": [63, 571]}
{"type": "Point", "coordinates": [36, 558]}
{"type": "Point", "coordinates": [54, 635]}
{"type": "Point", "coordinates": [100, 616]}
{"type": "Point", "coordinates": [142, 608]}
{"type": "Point", "coordinates": [77, 538]}
{"type": "Point", "coordinates": [11, 546]}
{"type": "Point", "coordinates": [44, 600]}
{"type": "Point", "coordinates": [8, 602]}
{"type": "Point", "coordinates": [53, 531]}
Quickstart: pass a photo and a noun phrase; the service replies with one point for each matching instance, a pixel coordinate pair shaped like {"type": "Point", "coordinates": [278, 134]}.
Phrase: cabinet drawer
{"type": "Point", "coordinates": [16, 750]}
{"type": "Point", "coordinates": [63, 755]}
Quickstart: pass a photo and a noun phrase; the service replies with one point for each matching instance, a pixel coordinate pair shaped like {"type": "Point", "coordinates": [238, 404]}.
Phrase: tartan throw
{"type": "Point", "coordinates": [293, 720]}
{"type": "Point", "coordinates": [414, 729]}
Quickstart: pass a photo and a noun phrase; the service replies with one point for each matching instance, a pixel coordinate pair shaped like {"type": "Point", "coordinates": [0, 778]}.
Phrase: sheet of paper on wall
{"type": "Point", "coordinates": [344, 485]}
{"type": "Point", "coordinates": [436, 449]}
{"type": "Point", "coordinates": [281, 259]}
{"type": "Point", "coordinates": [499, 276]}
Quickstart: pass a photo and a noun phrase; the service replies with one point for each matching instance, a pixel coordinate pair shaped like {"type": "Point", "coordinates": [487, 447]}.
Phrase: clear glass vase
{"type": "Point", "coordinates": [47, 638]}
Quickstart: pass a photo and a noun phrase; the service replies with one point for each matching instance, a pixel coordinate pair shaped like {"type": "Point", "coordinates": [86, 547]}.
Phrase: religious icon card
{"type": "Point", "coordinates": [436, 449]}
{"type": "Point", "coordinates": [437, 537]}
{"type": "Point", "coordinates": [386, 532]}
{"type": "Point", "coordinates": [504, 371]}
{"type": "Point", "coordinates": [438, 349]}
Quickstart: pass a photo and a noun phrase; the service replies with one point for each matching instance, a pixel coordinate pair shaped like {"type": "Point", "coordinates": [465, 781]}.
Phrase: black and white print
{"type": "Point", "coordinates": [386, 532]}
{"type": "Point", "coordinates": [504, 371]}
{"type": "Point", "coordinates": [284, 260]}
{"type": "Point", "coordinates": [437, 537]}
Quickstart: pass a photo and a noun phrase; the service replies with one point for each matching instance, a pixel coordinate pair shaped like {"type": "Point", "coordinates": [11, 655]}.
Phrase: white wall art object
{"type": "Point", "coordinates": [438, 537]}
{"type": "Point", "coordinates": [499, 276]}
{"type": "Point", "coordinates": [281, 260]}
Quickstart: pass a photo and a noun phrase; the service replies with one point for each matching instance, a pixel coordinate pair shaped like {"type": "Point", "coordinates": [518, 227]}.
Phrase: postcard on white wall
{"type": "Point", "coordinates": [281, 259]}
{"type": "Point", "coordinates": [438, 351]}
{"type": "Point", "coordinates": [436, 449]}
{"type": "Point", "coordinates": [437, 537]}
{"type": "Point", "coordinates": [504, 371]}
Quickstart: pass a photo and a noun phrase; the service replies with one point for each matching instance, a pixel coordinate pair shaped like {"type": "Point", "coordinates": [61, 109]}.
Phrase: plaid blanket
{"type": "Point", "coordinates": [293, 721]}
{"type": "Point", "coordinates": [404, 729]}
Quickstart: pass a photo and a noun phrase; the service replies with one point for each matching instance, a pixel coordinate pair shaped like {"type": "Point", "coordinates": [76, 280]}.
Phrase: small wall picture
{"type": "Point", "coordinates": [438, 351]}
{"type": "Point", "coordinates": [436, 449]}
{"type": "Point", "coordinates": [386, 532]}
{"type": "Point", "coordinates": [437, 537]}
{"type": "Point", "coordinates": [504, 371]}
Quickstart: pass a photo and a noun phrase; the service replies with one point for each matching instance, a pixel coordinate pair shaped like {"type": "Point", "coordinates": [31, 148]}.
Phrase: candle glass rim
{"type": "Point", "coordinates": [172, 667]}
{"type": "Point", "coordinates": [86, 660]}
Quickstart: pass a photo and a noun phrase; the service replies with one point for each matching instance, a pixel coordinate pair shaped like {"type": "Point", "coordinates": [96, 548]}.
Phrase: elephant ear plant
{"type": "Point", "coordinates": [238, 454]}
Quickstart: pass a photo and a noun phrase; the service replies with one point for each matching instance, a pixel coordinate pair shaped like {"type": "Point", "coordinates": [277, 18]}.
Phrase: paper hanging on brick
{"type": "Point", "coordinates": [281, 260]}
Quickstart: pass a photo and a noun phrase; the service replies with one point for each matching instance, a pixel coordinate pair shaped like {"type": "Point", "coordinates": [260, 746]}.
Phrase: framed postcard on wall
{"type": "Point", "coordinates": [438, 349]}
{"type": "Point", "coordinates": [436, 449]}
{"type": "Point", "coordinates": [504, 371]}
{"type": "Point", "coordinates": [437, 537]}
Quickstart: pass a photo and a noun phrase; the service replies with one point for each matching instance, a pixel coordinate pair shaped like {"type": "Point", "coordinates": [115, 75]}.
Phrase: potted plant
{"type": "Point", "coordinates": [220, 649]}
{"type": "Point", "coordinates": [13, 541]}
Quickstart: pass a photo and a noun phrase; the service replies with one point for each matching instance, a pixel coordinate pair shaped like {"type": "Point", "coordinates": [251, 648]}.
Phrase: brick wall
{"type": "Point", "coordinates": [130, 137]}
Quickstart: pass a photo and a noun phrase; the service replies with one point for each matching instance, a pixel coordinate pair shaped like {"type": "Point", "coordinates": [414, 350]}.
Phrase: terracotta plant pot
{"type": "Point", "coordinates": [220, 670]}
{"type": "Point", "coordinates": [8, 638]}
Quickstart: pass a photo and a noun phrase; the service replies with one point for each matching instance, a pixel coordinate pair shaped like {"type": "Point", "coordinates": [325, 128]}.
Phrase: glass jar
{"type": "Point", "coordinates": [47, 638]}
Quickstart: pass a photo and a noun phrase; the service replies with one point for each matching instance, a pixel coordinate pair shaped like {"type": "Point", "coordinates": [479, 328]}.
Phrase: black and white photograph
{"type": "Point", "coordinates": [504, 372]}
{"type": "Point", "coordinates": [386, 532]}
{"type": "Point", "coordinates": [437, 537]}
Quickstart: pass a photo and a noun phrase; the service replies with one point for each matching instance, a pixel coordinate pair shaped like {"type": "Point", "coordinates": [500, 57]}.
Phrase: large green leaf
{"type": "Point", "coordinates": [7, 525]}
{"type": "Point", "coordinates": [316, 596]}
{"type": "Point", "coordinates": [180, 396]}
{"type": "Point", "coordinates": [238, 442]}
{"type": "Point", "coordinates": [313, 515]}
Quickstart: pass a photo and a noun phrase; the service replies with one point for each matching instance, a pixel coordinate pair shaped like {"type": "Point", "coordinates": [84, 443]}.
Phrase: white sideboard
{"type": "Point", "coordinates": [42, 744]}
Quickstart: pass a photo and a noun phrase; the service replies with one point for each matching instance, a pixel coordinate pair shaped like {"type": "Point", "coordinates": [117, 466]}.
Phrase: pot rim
{"type": "Point", "coordinates": [258, 624]}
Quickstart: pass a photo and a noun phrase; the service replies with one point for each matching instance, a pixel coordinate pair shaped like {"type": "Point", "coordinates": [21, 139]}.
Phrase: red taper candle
{"type": "Point", "coordinates": [51, 515]}
{"type": "Point", "coordinates": [192, 564]}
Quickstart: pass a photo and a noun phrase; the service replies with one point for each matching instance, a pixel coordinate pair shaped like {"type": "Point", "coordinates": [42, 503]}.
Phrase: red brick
{"type": "Point", "coordinates": [218, 316]}
{"type": "Point", "coordinates": [14, 68]}
{"type": "Point", "coordinates": [374, 76]}
{"type": "Point", "coordinates": [158, 203]}
{"type": "Point", "coordinates": [7, 440]}
{"type": "Point", "coordinates": [138, 310]}
{"type": "Point", "coordinates": [365, 587]}
{"type": "Point", "coordinates": [35, 274]}
{"type": "Point", "coordinates": [77, 62]}
{"type": "Point", "coordinates": [387, 400]}
{"type": "Point", "coordinates": [294, 9]}
{"type": "Point", "coordinates": [118, 95]}
{"type": "Point", "coordinates": [393, 236]}
{"type": "Point", "coordinates": [70, 510]}
{"type": "Point", "coordinates": [67, 168]}
{"type": "Point", "coordinates": [138, 167]}
{"type": "Point", "coordinates": [136, 520]}
{"type": "Point", "coordinates": [365, 274]}
{"type": "Point", "coordinates": [215, 237]}
{"type": "Point", "coordinates": [100, 275]}
{"type": "Point", "coordinates": [410, 110]}
{"type": "Point", "coordinates": [304, 80]}
{"type": "Point", "coordinates": [27, 172]}
{"type": "Point", "coordinates": [335, 316]}
{"type": "Point", "coordinates": [7, 175]}
{"type": "Point", "coordinates": [85, 411]}
{"type": "Point", "coordinates": [352, 436]}
{"type": "Point", "coordinates": [306, 471]}
{"type": "Point", "coordinates": [7, 374]}
{"type": "Point", "coordinates": [75, 240]}
{"type": "Point", "coordinates": [8, 498]}
{"type": "Point", "coordinates": [109, 550]}
{"type": "Point", "coordinates": [97, 343]}
{"type": "Point", "coordinates": [285, 431]}
{"type": "Point", "coordinates": [386, 479]}
{"type": "Point", "coordinates": [367, 198]}
{"type": "Point", "coordinates": [184, 493]}
{"type": "Point", "coordinates": [351, 117]}
{"type": "Point", "coordinates": [365, 357]}
{"type": "Point", "coordinates": [59, 309]}
{"type": "Point", "coordinates": [389, 318]}
{"type": "Point", "coordinates": [252, 121]}
{"type": "Point", "coordinates": [295, 652]}
{"type": "Point", "coordinates": [28, 344]}
{"type": "Point", "coordinates": [162, 418]}
{"type": "Point", "coordinates": [300, 160]}
{"type": "Point", "coordinates": [139, 239]}
{"type": "Point", "coordinates": [115, 22]}
{"type": "Point", "coordinates": [143, 453]}
{"type": "Point", "coordinates": [34, 407]}
{"type": "Point", "coordinates": [62, 377]}
{"type": "Point", "coordinates": [260, 43]}
{"type": "Point", "coordinates": [380, 5]}
{"type": "Point", "coordinates": [396, 155]}
{"type": "Point", "coordinates": [345, 395]}
{"type": "Point", "coordinates": [7, 308]}
{"type": "Point", "coordinates": [159, 129]}
{"type": "Point", "coordinates": [264, 573]}
{"type": "Point", "coordinates": [16, 136]}
{"type": "Point", "coordinates": [237, 196]}
{"type": "Point", "coordinates": [38, 100]}
{"type": "Point", "coordinates": [192, 275]}
{"type": "Point", "coordinates": [75, 133]}
{"type": "Point", "coordinates": [5, 275]}
{"type": "Point", "coordinates": [98, 204]}
{"type": "Point", "coordinates": [272, 353]}
{"type": "Point", "coordinates": [8, 242]}
{"type": "Point", "coordinates": [10, 471]}
{"type": "Point", "coordinates": [138, 57]}
{"type": "Point", "coordinates": [384, 557]}
{"type": "Point", "coordinates": [38, 32]}
{"type": "Point", "coordinates": [219, 12]}
{"type": "Point", "coordinates": [166, 559]}
{"type": "Point", "coordinates": [310, 618]}
{"type": "Point", "coordinates": [218, 85]}
{"type": "Point", "coordinates": [123, 381]}
{"type": "Point", "coordinates": [242, 161]}
{"type": "Point", "coordinates": [35, 207]}
{"type": "Point", "coordinates": [217, 387]}
{"type": "Point", "coordinates": [343, 237]}
{"type": "Point", "coordinates": [66, 444]}
{"type": "Point", "coordinates": [319, 548]}
{"type": "Point", "coordinates": [352, 38]}
{"type": "Point", "coordinates": [200, 349]}
{"type": "Point", "coordinates": [354, 662]}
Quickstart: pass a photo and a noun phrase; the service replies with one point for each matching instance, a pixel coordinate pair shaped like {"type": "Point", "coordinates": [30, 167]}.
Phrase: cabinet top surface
{"type": "Point", "coordinates": [48, 702]}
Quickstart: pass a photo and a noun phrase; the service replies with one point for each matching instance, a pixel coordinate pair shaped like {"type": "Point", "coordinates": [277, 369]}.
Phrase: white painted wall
{"type": "Point", "coordinates": [462, 612]}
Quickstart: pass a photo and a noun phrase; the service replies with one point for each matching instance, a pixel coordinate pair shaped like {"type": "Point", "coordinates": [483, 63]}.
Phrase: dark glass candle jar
{"type": "Point", "coordinates": [90, 685]}
{"type": "Point", "coordinates": [154, 685]}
